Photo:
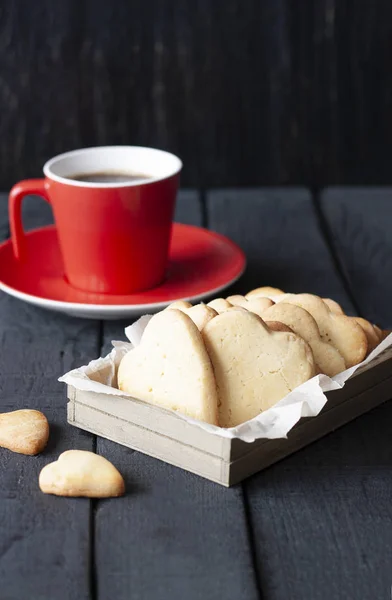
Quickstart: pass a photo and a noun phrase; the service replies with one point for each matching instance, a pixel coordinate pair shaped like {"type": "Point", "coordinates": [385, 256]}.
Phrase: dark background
{"type": "Point", "coordinates": [247, 92]}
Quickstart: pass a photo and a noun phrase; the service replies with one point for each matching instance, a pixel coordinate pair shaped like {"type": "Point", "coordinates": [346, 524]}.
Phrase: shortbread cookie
{"type": "Point", "coordinates": [326, 356]}
{"type": "Point", "coordinates": [278, 326]}
{"type": "Point", "coordinates": [339, 330]}
{"type": "Point", "coordinates": [334, 306]}
{"type": "Point", "coordinates": [180, 305]}
{"type": "Point", "coordinates": [81, 473]}
{"type": "Point", "coordinates": [254, 366]}
{"type": "Point", "coordinates": [371, 334]}
{"type": "Point", "coordinates": [265, 292]}
{"type": "Point", "coordinates": [220, 305]}
{"type": "Point", "coordinates": [200, 314]}
{"type": "Point", "coordinates": [171, 368]}
{"type": "Point", "coordinates": [256, 305]}
{"type": "Point", "coordinates": [24, 431]}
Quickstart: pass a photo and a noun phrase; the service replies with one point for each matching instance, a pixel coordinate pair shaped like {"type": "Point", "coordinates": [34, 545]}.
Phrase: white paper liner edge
{"type": "Point", "coordinates": [306, 400]}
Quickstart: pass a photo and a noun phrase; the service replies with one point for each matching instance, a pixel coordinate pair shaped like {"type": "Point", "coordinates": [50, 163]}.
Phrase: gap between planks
{"type": "Point", "coordinates": [94, 502]}
{"type": "Point", "coordinates": [326, 234]}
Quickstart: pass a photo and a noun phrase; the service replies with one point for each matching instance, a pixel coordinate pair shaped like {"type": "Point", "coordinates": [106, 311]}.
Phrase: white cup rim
{"type": "Point", "coordinates": [51, 163]}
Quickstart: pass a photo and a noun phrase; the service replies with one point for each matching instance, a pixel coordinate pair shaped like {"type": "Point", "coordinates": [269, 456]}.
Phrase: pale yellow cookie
{"type": "Point", "coordinates": [80, 473]}
{"type": "Point", "coordinates": [24, 431]}
{"type": "Point", "coordinates": [264, 292]}
{"type": "Point", "coordinates": [254, 366]}
{"type": "Point", "coordinates": [328, 358]}
{"type": "Point", "coordinates": [220, 305]}
{"type": "Point", "coordinates": [180, 305]}
{"type": "Point", "coordinates": [171, 368]}
{"type": "Point", "coordinates": [339, 330]}
{"type": "Point", "coordinates": [256, 305]}
{"type": "Point", "coordinates": [200, 314]}
{"type": "Point", "coordinates": [278, 326]}
{"type": "Point", "coordinates": [334, 306]}
{"type": "Point", "coordinates": [371, 334]}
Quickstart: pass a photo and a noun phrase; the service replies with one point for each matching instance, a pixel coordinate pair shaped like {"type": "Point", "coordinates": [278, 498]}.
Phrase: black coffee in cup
{"type": "Point", "coordinates": [109, 177]}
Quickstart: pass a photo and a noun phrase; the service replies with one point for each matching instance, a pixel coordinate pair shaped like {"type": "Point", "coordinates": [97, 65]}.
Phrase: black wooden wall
{"type": "Point", "coordinates": [247, 92]}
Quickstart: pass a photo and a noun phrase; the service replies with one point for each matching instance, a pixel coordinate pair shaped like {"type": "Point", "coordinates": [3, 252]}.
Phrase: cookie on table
{"type": "Point", "coordinates": [24, 431]}
{"type": "Point", "coordinates": [79, 473]}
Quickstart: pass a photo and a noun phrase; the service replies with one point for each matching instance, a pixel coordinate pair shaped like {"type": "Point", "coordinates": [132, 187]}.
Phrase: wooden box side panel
{"type": "Point", "coordinates": [308, 431]}
{"type": "Point", "coordinates": [149, 442]}
{"type": "Point", "coordinates": [164, 435]}
{"type": "Point", "coordinates": [367, 379]}
{"type": "Point", "coordinates": [155, 419]}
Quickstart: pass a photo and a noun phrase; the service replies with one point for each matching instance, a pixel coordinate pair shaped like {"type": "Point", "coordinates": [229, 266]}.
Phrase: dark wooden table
{"type": "Point", "coordinates": [317, 526]}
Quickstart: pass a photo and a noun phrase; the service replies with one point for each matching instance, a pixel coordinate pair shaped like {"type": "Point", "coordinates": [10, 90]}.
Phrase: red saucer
{"type": "Point", "coordinates": [202, 263]}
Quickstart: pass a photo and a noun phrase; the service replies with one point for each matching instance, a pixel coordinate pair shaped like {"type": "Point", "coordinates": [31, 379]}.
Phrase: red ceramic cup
{"type": "Point", "coordinates": [114, 237]}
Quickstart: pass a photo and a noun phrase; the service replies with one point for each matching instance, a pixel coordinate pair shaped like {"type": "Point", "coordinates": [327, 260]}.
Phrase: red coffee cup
{"type": "Point", "coordinates": [114, 235]}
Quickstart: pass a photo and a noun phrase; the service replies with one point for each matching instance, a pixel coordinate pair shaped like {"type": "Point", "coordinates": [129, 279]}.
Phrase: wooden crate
{"type": "Point", "coordinates": [164, 435]}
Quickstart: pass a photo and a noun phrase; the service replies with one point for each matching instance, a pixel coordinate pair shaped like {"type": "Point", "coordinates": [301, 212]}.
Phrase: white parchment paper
{"type": "Point", "coordinates": [307, 400]}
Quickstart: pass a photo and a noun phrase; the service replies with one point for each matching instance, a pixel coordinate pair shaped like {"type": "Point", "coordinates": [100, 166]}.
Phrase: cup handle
{"type": "Point", "coordinates": [17, 193]}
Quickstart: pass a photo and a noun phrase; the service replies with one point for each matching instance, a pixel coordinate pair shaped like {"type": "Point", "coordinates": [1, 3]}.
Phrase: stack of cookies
{"type": "Point", "coordinates": [227, 361]}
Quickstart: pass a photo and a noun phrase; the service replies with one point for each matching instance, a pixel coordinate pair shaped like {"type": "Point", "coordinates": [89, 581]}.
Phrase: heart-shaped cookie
{"type": "Point", "coordinates": [81, 473]}
{"type": "Point", "coordinates": [278, 326]}
{"type": "Point", "coordinates": [254, 367]}
{"type": "Point", "coordinates": [256, 305]}
{"type": "Point", "coordinates": [327, 357]}
{"type": "Point", "coordinates": [199, 313]}
{"type": "Point", "coordinates": [219, 305]}
{"type": "Point", "coordinates": [341, 331]}
{"type": "Point", "coordinates": [24, 431]}
{"type": "Point", "coordinates": [334, 306]}
{"type": "Point", "coordinates": [171, 368]}
{"type": "Point", "coordinates": [372, 335]}
{"type": "Point", "coordinates": [264, 292]}
{"type": "Point", "coordinates": [180, 305]}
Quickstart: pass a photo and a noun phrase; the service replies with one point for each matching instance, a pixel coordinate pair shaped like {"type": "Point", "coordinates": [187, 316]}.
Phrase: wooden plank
{"type": "Point", "coordinates": [180, 530]}
{"type": "Point", "coordinates": [313, 513]}
{"type": "Point", "coordinates": [359, 222]}
{"type": "Point", "coordinates": [45, 541]}
{"type": "Point", "coordinates": [279, 233]}
{"type": "Point", "coordinates": [323, 532]}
